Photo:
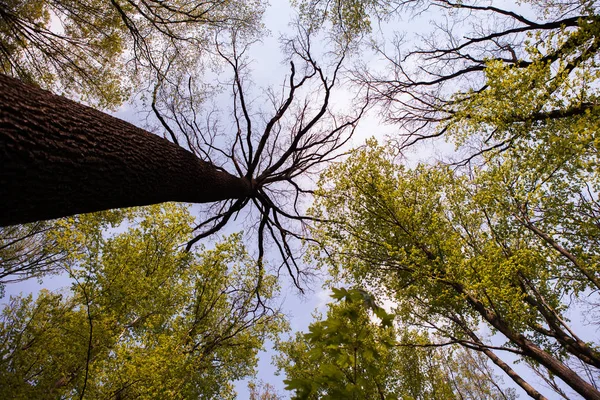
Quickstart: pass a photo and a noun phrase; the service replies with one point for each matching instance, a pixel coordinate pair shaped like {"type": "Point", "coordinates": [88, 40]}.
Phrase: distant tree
{"type": "Point", "coordinates": [263, 391]}
{"type": "Point", "coordinates": [143, 318]}
{"type": "Point", "coordinates": [470, 374]}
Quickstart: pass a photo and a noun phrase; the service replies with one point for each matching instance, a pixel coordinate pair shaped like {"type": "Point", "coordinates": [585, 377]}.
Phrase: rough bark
{"type": "Point", "coordinates": [59, 158]}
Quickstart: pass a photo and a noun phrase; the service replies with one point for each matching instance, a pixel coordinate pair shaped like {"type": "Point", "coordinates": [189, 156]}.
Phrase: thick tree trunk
{"type": "Point", "coordinates": [59, 158]}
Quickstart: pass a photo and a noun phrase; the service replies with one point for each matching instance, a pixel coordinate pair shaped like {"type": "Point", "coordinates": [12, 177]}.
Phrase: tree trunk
{"type": "Point", "coordinates": [530, 390]}
{"type": "Point", "coordinates": [59, 158]}
{"type": "Point", "coordinates": [531, 350]}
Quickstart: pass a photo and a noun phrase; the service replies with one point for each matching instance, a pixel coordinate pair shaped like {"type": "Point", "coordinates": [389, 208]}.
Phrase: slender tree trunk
{"type": "Point", "coordinates": [530, 390]}
{"type": "Point", "coordinates": [59, 158]}
{"type": "Point", "coordinates": [530, 349]}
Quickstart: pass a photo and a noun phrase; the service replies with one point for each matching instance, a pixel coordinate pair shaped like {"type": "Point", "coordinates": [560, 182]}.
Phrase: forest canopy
{"type": "Point", "coordinates": [142, 318]}
{"type": "Point", "coordinates": [485, 256]}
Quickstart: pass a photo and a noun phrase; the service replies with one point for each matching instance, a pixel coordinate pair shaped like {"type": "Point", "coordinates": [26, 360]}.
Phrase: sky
{"type": "Point", "coordinates": [268, 68]}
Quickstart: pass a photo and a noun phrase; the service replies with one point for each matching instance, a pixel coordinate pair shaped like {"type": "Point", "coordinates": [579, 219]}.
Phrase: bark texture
{"type": "Point", "coordinates": [59, 158]}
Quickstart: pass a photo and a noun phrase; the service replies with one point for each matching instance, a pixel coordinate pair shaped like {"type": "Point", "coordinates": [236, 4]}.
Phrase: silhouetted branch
{"type": "Point", "coordinates": [275, 147]}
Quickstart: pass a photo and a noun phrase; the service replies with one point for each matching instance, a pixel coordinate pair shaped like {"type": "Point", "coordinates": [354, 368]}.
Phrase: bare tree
{"type": "Point", "coordinates": [60, 158]}
{"type": "Point", "coordinates": [277, 147]}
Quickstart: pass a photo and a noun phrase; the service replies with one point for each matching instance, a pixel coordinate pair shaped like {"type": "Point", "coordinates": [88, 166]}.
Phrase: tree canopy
{"type": "Point", "coordinates": [500, 245]}
{"type": "Point", "coordinates": [504, 235]}
{"type": "Point", "coordinates": [143, 318]}
{"type": "Point", "coordinates": [357, 353]}
{"type": "Point", "coordinates": [503, 77]}
{"type": "Point", "coordinates": [104, 51]}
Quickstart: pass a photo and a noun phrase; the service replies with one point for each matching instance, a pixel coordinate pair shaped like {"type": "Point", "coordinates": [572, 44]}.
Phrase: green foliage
{"type": "Point", "coordinates": [547, 98]}
{"type": "Point", "coordinates": [344, 356]}
{"type": "Point", "coordinates": [358, 295]}
{"type": "Point", "coordinates": [143, 318]}
{"type": "Point", "coordinates": [347, 18]}
{"type": "Point", "coordinates": [102, 51]}
{"type": "Point", "coordinates": [510, 241]}
{"type": "Point", "coordinates": [435, 228]}
{"type": "Point", "coordinates": [502, 245]}
{"type": "Point", "coordinates": [351, 355]}
{"type": "Point", "coordinates": [85, 48]}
